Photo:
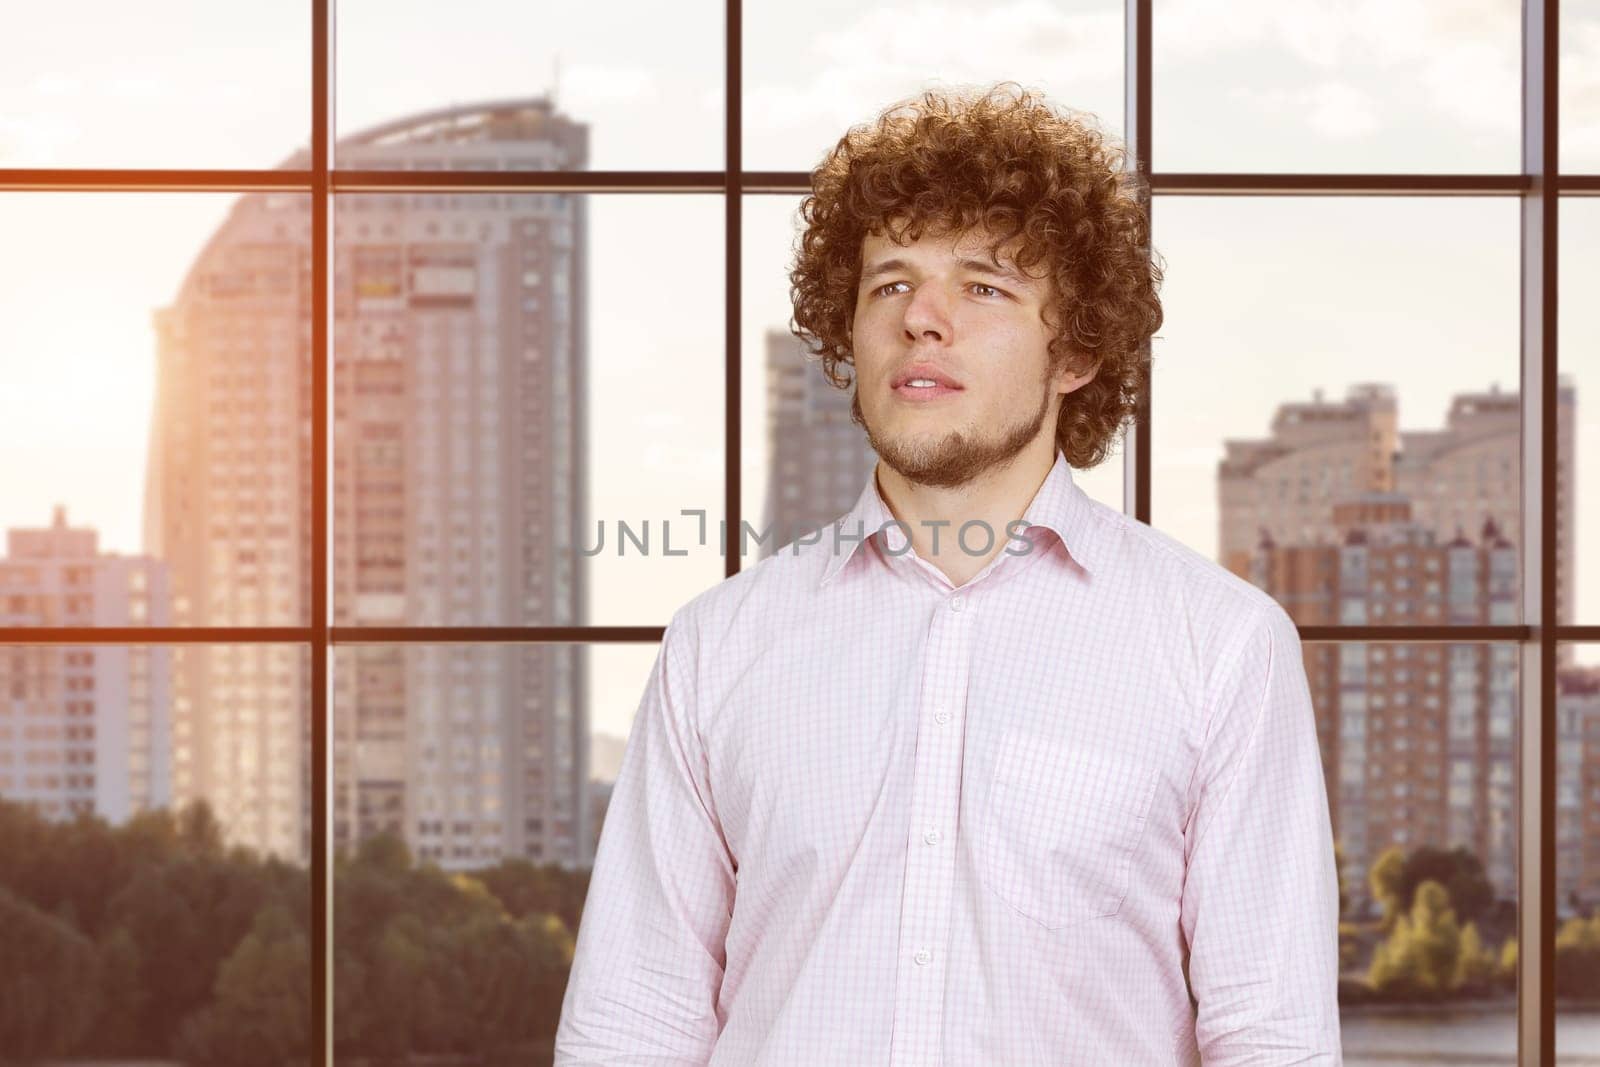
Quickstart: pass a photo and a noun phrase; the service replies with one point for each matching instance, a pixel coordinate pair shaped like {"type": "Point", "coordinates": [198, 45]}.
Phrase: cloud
{"type": "Point", "coordinates": [1580, 92]}
{"type": "Point", "coordinates": [589, 83]}
{"type": "Point", "coordinates": [877, 57]}
{"type": "Point", "coordinates": [33, 140]}
{"type": "Point", "coordinates": [1460, 60]}
{"type": "Point", "coordinates": [56, 85]}
{"type": "Point", "coordinates": [1339, 109]}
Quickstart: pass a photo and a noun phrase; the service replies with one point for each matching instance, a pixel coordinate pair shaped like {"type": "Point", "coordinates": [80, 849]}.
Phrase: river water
{"type": "Point", "coordinates": [1468, 1039]}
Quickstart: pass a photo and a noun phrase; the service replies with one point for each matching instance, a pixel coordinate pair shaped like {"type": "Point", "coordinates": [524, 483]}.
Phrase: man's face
{"type": "Point", "coordinates": [937, 309]}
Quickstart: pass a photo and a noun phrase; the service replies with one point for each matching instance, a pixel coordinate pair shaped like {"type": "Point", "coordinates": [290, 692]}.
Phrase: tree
{"type": "Point", "coordinates": [122, 998]}
{"type": "Point", "coordinates": [1578, 957]}
{"type": "Point", "coordinates": [262, 1012]}
{"type": "Point", "coordinates": [1475, 967]}
{"type": "Point", "coordinates": [186, 916]}
{"type": "Point", "coordinates": [1384, 878]}
{"type": "Point", "coordinates": [47, 981]}
{"type": "Point", "coordinates": [1458, 870]}
{"type": "Point", "coordinates": [525, 888]}
{"type": "Point", "coordinates": [1507, 972]}
{"type": "Point", "coordinates": [1418, 959]}
{"type": "Point", "coordinates": [198, 829]}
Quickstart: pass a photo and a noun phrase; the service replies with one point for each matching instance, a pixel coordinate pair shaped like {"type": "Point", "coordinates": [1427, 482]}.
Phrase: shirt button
{"type": "Point", "coordinates": [941, 716]}
{"type": "Point", "coordinates": [957, 602]}
{"type": "Point", "coordinates": [931, 836]}
{"type": "Point", "coordinates": [923, 956]}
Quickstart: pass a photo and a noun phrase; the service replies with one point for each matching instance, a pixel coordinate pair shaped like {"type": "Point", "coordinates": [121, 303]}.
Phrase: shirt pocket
{"type": "Point", "coordinates": [1060, 826]}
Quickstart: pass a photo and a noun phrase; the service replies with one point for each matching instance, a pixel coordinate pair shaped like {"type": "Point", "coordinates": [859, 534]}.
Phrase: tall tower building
{"type": "Point", "coordinates": [1578, 789]}
{"type": "Point", "coordinates": [459, 357]}
{"type": "Point", "coordinates": [83, 730]}
{"type": "Point", "coordinates": [1345, 519]}
{"type": "Point", "coordinates": [1317, 453]}
{"type": "Point", "coordinates": [1417, 740]}
{"type": "Point", "coordinates": [1456, 478]}
{"type": "Point", "coordinates": [818, 458]}
{"type": "Point", "coordinates": [1469, 472]}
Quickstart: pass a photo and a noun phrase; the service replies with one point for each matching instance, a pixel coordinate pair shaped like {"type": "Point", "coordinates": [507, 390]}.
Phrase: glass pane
{"type": "Point", "coordinates": [1580, 86]}
{"type": "Point", "coordinates": [1358, 453]}
{"type": "Point", "coordinates": [154, 819]}
{"type": "Point", "coordinates": [468, 799]}
{"type": "Point", "coordinates": [798, 435]}
{"type": "Point", "coordinates": [1330, 87]}
{"type": "Point", "coordinates": [615, 87]}
{"type": "Point", "coordinates": [520, 433]}
{"type": "Point", "coordinates": [1578, 346]}
{"type": "Point", "coordinates": [163, 84]}
{"type": "Point", "coordinates": [805, 86]}
{"type": "Point", "coordinates": [1578, 854]}
{"type": "Point", "coordinates": [155, 425]}
{"type": "Point", "coordinates": [1418, 744]}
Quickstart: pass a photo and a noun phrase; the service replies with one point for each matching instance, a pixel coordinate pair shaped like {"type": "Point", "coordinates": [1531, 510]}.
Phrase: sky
{"type": "Point", "coordinates": [1265, 299]}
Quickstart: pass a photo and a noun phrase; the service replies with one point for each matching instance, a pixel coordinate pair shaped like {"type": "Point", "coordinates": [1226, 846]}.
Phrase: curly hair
{"type": "Point", "coordinates": [946, 162]}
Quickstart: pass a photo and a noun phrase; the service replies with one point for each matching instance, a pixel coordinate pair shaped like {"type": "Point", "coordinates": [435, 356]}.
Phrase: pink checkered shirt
{"type": "Point", "coordinates": [1071, 812]}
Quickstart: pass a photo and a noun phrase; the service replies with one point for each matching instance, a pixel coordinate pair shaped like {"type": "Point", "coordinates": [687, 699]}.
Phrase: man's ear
{"type": "Point", "coordinates": [1073, 376]}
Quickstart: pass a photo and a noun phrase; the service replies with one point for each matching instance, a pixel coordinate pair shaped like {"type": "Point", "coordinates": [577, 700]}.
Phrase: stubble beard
{"type": "Point", "coordinates": [955, 458]}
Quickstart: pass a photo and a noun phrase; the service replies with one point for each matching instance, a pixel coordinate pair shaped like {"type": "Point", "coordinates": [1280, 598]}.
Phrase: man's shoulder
{"type": "Point", "coordinates": [1174, 572]}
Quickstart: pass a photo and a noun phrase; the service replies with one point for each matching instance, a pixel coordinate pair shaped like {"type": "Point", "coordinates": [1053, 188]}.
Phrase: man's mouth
{"type": "Point", "coordinates": [924, 389]}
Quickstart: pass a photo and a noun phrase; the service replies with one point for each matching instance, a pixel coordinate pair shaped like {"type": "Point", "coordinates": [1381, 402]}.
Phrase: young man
{"type": "Point", "coordinates": [987, 772]}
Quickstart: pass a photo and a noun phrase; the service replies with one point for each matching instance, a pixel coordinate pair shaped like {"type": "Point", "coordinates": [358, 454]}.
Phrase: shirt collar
{"type": "Point", "coordinates": [1059, 506]}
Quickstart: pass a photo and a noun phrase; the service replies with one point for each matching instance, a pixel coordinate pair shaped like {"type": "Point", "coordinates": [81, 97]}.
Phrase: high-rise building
{"type": "Point", "coordinates": [1417, 739]}
{"type": "Point", "coordinates": [459, 359]}
{"type": "Point", "coordinates": [1468, 473]}
{"type": "Point", "coordinates": [1456, 478]}
{"type": "Point", "coordinates": [1317, 453]}
{"type": "Point", "coordinates": [83, 730]}
{"type": "Point", "coordinates": [1346, 519]}
{"type": "Point", "coordinates": [1578, 789]}
{"type": "Point", "coordinates": [818, 458]}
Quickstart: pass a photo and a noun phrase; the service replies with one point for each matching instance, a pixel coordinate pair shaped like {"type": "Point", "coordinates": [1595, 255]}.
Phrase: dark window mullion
{"type": "Point", "coordinates": [321, 766]}
{"type": "Point", "coordinates": [733, 236]}
{"type": "Point", "coordinates": [1536, 720]}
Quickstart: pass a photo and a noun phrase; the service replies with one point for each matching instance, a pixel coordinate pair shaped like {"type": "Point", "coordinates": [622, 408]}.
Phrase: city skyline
{"type": "Point", "coordinates": [1277, 308]}
{"type": "Point", "coordinates": [1464, 248]}
{"type": "Point", "coordinates": [1184, 507]}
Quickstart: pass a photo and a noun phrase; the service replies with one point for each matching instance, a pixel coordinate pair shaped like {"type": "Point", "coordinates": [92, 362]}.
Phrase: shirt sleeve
{"type": "Point", "coordinates": [649, 956]}
{"type": "Point", "coordinates": [1260, 907]}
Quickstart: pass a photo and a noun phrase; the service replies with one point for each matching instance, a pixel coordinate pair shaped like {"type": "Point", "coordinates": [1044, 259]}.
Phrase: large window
{"type": "Point", "coordinates": [362, 429]}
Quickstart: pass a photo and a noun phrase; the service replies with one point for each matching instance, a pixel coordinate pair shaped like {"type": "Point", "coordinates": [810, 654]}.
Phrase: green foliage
{"type": "Point", "coordinates": [1475, 966]}
{"type": "Point", "coordinates": [44, 1009]}
{"type": "Point", "coordinates": [1506, 972]}
{"type": "Point", "coordinates": [1457, 870]}
{"type": "Point", "coordinates": [122, 997]}
{"type": "Point", "coordinates": [435, 963]}
{"type": "Point", "coordinates": [1418, 960]}
{"type": "Point", "coordinates": [261, 1015]}
{"type": "Point", "coordinates": [153, 938]}
{"type": "Point", "coordinates": [525, 888]}
{"type": "Point", "coordinates": [1384, 880]}
{"type": "Point", "coordinates": [186, 916]}
{"type": "Point", "coordinates": [1578, 958]}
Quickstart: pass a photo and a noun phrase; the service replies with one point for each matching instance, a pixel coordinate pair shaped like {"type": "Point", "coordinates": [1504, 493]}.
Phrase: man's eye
{"type": "Point", "coordinates": [879, 291]}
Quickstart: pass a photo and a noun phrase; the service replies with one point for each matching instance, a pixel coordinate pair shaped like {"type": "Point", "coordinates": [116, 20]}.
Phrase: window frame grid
{"type": "Point", "coordinates": [1539, 187]}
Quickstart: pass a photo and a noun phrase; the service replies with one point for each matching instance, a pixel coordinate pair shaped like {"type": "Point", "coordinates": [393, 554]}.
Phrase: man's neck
{"type": "Point", "coordinates": [935, 515]}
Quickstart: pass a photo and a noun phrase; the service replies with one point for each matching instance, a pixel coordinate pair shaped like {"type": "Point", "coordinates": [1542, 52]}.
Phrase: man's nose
{"type": "Point", "coordinates": [927, 314]}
